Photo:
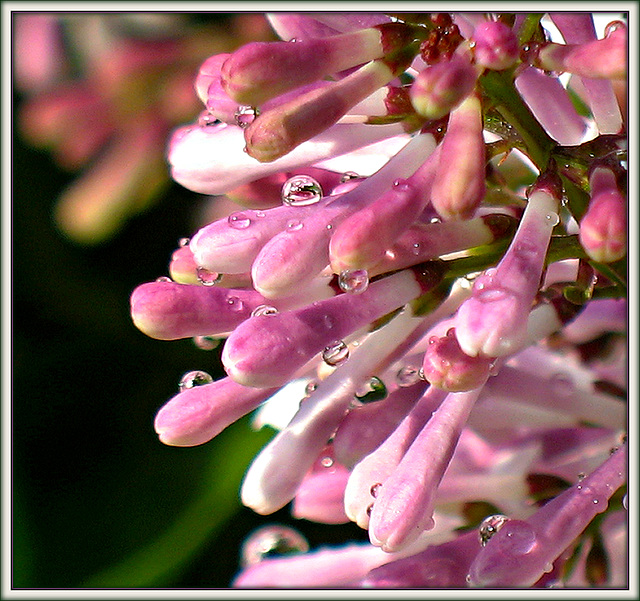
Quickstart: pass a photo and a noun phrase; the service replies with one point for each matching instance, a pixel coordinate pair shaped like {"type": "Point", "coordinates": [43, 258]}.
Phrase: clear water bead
{"type": "Point", "coordinates": [245, 115]}
{"type": "Point", "coordinates": [184, 242]}
{"type": "Point", "coordinates": [408, 376]}
{"type": "Point", "coordinates": [353, 281]}
{"type": "Point", "coordinates": [489, 526]}
{"type": "Point", "coordinates": [335, 354]}
{"type": "Point", "coordinates": [206, 277]}
{"type": "Point", "coordinates": [272, 541]}
{"type": "Point", "coordinates": [164, 278]}
{"type": "Point", "coordinates": [194, 378]}
{"type": "Point", "coordinates": [239, 221]}
{"type": "Point", "coordinates": [206, 119]}
{"type": "Point", "coordinates": [553, 219]}
{"type": "Point", "coordinates": [374, 391]}
{"type": "Point", "coordinates": [235, 304]}
{"type": "Point", "coordinates": [348, 175]}
{"type": "Point", "coordinates": [206, 343]}
{"type": "Point", "coordinates": [300, 191]}
{"type": "Point", "coordinates": [264, 310]}
{"type": "Point", "coordinates": [293, 225]}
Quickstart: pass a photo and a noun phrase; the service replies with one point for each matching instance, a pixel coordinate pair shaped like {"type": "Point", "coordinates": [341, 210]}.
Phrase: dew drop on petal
{"type": "Point", "coordinates": [208, 278]}
{"type": "Point", "coordinates": [245, 115]}
{"type": "Point", "coordinates": [369, 510]}
{"type": "Point", "coordinates": [184, 242]}
{"type": "Point", "coordinates": [300, 191]}
{"type": "Point", "coordinates": [326, 462]}
{"type": "Point", "coordinates": [194, 378]}
{"type": "Point", "coordinates": [581, 476]}
{"type": "Point", "coordinates": [353, 281]}
{"type": "Point", "coordinates": [374, 489]}
{"type": "Point", "coordinates": [293, 225]}
{"type": "Point", "coordinates": [435, 220]}
{"type": "Point", "coordinates": [164, 278]}
{"type": "Point", "coordinates": [206, 343]}
{"type": "Point", "coordinates": [259, 214]}
{"type": "Point", "coordinates": [374, 391]}
{"type": "Point", "coordinates": [611, 27]}
{"type": "Point", "coordinates": [348, 175]}
{"type": "Point", "coordinates": [264, 310]}
{"type": "Point", "coordinates": [272, 541]}
{"type": "Point", "coordinates": [335, 354]}
{"type": "Point", "coordinates": [489, 526]}
{"type": "Point", "coordinates": [408, 376]}
{"type": "Point", "coordinates": [239, 221]}
{"type": "Point", "coordinates": [235, 304]}
{"type": "Point", "coordinates": [310, 387]}
{"type": "Point", "coordinates": [553, 219]}
{"type": "Point", "coordinates": [415, 249]}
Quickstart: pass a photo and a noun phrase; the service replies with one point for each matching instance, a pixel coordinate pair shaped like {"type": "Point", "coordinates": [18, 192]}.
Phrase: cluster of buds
{"type": "Point", "coordinates": [426, 260]}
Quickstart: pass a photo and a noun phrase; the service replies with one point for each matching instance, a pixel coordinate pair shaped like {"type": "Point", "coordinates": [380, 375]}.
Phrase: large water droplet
{"type": "Point", "coordinates": [408, 376]}
{"type": "Point", "coordinates": [206, 343]}
{"type": "Point", "coordinates": [235, 304]}
{"type": "Point", "coordinates": [300, 191]}
{"type": "Point", "coordinates": [194, 378]}
{"type": "Point", "coordinates": [245, 115]}
{"type": "Point", "coordinates": [239, 221]}
{"type": "Point", "coordinates": [374, 391]}
{"type": "Point", "coordinates": [335, 354]}
{"type": "Point", "coordinates": [489, 526]}
{"type": "Point", "coordinates": [264, 310]}
{"type": "Point", "coordinates": [611, 27]}
{"type": "Point", "coordinates": [272, 541]}
{"type": "Point", "coordinates": [208, 278]}
{"type": "Point", "coordinates": [353, 281]}
{"type": "Point", "coordinates": [164, 278]}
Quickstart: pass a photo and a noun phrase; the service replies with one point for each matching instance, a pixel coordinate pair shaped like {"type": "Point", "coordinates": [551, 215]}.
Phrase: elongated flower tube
{"type": "Point", "coordinates": [553, 108]}
{"type": "Point", "coordinates": [439, 88]}
{"type": "Point", "coordinates": [403, 507]}
{"type": "Point", "coordinates": [262, 70]}
{"type": "Point", "coordinates": [353, 247]}
{"type": "Point", "coordinates": [211, 160]}
{"type": "Point", "coordinates": [598, 317]}
{"type": "Point", "coordinates": [601, 59]}
{"type": "Point", "coordinates": [578, 28]}
{"type": "Point", "coordinates": [276, 132]}
{"type": "Point", "coordinates": [293, 257]}
{"type": "Point", "coordinates": [198, 414]}
{"type": "Point", "coordinates": [459, 184]}
{"type": "Point", "coordinates": [493, 321]}
{"type": "Point", "coordinates": [374, 470]}
{"type": "Point", "coordinates": [603, 229]}
{"type": "Point", "coordinates": [169, 311]}
{"type": "Point", "coordinates": [267, 350]}
{"type": "Point", "coordinates": [519, 553]}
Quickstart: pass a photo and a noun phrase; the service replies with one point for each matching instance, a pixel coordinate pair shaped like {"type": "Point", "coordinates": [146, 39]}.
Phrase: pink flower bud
{"type": "Point", "coordinates": [496, 46]}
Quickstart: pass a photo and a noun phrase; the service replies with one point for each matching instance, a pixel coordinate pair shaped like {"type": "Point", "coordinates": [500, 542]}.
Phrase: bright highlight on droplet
{"type": "Point", "coordinates": [300, 191]}
{"type": "Point", "coordinates": [194, 378]}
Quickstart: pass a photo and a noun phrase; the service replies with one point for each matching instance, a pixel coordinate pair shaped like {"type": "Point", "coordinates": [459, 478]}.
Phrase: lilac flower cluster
{"type": "Point", "coordinates": [427, 262]}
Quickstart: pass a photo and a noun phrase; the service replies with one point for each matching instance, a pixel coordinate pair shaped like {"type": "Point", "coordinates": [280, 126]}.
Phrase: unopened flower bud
{"type": "Point", "coordinates": [496, 46]}
{"type": "Point", "coordinates": [441, 87]}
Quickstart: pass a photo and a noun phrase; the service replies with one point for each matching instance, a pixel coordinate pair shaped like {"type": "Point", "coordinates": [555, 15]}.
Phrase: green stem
{"type": "Point", "coordinates": [499, 87]}
{"type": "Point", "coordinates": [529, 27]}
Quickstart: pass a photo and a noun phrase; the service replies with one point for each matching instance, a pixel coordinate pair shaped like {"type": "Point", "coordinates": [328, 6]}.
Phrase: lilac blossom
{"type": "Point", "coordinates": [419, 282]}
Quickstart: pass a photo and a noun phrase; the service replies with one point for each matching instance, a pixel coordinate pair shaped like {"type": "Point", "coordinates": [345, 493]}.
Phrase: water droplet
{"type": "Point", "coordinates": [194, 378]}
{"type": "Point", "coordinates": [264, 310]}
{"type": "Point", "coordinates": [415, 249]}
{"type": "Point", "coordinates": [206, 343]}
{"type": "Point", "coordinates": [369, 510]}
{"type": "Point", "coordinates": [294, 225]}
{"type": "Point", "coordinates": [329, 227]}
{"type": "Point", "coordinates": [239, 221]}
{"type": "Point", "coordinates": [374, 391]}
{"type": "Point", "coordinates": [184, 242]}
{"type": "Point", "coordinates": [581, 476]}
{"type": "Point", "coordinates": [407, 376]}
{"type": "Point", "coordinates": [235, 304]}
{"type": "Point", "coordinates": [562, 385]}
{"type": "Point", "coordinates": [375, 488]}
{"type": "Point", "coordinates": [625, 501]}
{"type": "Point", "coordinates": [259, 214]}
{"type": "Point", "coordinates": [490, 525]}
{"type": "Point", "coordinates": [300, 191]}
{"type": "Point", "coordinates": [348, 175]}
{"type": "Point", "coordinates": [310, 387]}
{"type": "Point", "coordinates": [206, 119]}
{"type": "Point", "coordinates": [245, 115]}
{"type": "Point", "coordinates": [164, 278]}
{"type": "Point", "coordinates": [335, 354]}
{"type": "Point", "coordinates": [326, 462]}
{"type": "Point", "coordinates": [611, 27]}
{"type": "Point", "coordinates": [272, 541]}
{"type": "Point", "coordinates": [208, 278]}
{"type": "Point", "coordinates": [353, 281]}
{"type": "Point", "coordinates": [328, 322]}
{"type": "Point", "coordinates": [553, 219]}
{"type": "Point", "coordinates": [435, 220]}
{"type": "Point", "coordinates": [595, 501]}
